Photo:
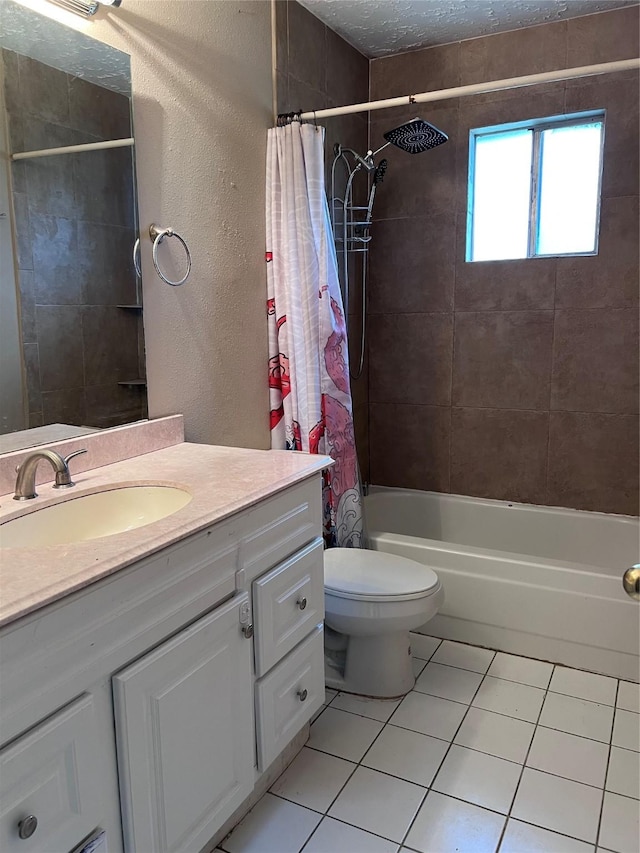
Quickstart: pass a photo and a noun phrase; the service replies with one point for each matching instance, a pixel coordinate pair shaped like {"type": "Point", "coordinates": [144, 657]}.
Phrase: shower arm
{"type": "Point", "coordinates": [377, 151]}
{"type": "Point", "coordinates": [365, 161]}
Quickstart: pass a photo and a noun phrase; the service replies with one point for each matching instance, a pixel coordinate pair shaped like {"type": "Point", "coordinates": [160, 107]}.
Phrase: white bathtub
{"type": "Point", "coordinates": [530, 580]}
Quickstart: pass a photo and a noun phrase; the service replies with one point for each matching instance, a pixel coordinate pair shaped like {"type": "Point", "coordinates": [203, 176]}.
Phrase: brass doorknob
{"type": "Point", "coordinates": [631, 581]}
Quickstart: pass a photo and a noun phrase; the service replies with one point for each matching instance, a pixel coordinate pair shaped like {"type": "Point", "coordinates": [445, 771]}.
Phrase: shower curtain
{"type": "Point", "coordinates": [310, 397]}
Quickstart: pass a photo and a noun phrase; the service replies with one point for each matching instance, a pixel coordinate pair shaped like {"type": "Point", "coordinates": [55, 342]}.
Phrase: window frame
{"type": "Point", "coordinates": [537, 126]}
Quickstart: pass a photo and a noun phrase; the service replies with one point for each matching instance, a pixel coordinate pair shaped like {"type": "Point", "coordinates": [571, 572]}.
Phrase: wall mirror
{"type": "Point", "coordinates": [71, 340]}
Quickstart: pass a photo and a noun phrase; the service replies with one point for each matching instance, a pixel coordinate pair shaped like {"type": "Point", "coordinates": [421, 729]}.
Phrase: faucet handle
{"type": "Point", "coordinates": [63, 478]}
{"type": "Point", "coordinates": [75, 453]}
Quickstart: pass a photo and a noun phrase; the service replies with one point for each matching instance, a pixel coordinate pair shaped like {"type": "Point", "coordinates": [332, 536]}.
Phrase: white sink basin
{"type": "Point", "coordinates": [93, 516]}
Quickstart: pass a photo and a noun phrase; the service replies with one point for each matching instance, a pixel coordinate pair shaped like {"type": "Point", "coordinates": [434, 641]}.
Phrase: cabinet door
{"type": "Point", "coordinates": [184, 730]}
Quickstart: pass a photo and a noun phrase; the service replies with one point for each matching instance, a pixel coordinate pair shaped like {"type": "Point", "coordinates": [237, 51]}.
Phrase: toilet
{"type": "Point", "coordinates": [372, 601]}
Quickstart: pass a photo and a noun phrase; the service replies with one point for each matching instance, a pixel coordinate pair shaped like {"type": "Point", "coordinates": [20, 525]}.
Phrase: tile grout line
{"type": "Point", "coordinates": [444, 757]}
{"type": "Point", "coordinates": [524, 763]}
{"type": "Point", "coordinates": [359, 764]}
{"type": "Point", "coordinates": [484, 710]}
{"type": "Point", "coordinates": [471, 749]}
{"type": "Point", "coordinates": [606, 772]}
{"type": "Point", "coordinates": [450, 744]}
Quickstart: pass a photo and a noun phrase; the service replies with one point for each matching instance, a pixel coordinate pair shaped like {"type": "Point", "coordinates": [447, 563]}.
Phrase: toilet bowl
{"type": "Point", "coordinates": [372, 601]}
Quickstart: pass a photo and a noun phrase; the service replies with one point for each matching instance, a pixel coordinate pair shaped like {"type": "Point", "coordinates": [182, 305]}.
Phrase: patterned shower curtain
{"type": "Point", "coordinates": [310, 397]}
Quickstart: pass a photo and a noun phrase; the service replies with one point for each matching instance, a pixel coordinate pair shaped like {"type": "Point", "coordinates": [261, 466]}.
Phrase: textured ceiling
{"type": "Point", "coordinates": [383, 27]}
{"type": "Point", "coordinates": [31, 34]}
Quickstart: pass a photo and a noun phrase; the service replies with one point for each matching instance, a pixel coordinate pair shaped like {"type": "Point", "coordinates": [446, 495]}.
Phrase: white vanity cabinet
{"type": "Point", "coordinates": [149, 702]}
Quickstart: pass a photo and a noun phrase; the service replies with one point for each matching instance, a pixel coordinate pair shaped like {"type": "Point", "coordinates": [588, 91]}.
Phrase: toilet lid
{"type": "Point", "coordinates": [374, 575]}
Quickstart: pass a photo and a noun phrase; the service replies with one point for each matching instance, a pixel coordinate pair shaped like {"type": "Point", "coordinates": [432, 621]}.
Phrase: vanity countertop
{"type": "Point", "coordinates": [222, 481]}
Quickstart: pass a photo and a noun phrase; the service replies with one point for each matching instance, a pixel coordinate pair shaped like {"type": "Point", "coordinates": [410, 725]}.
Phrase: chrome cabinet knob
{"type": "Point", "coordinates": [302, 695]}
{"type": "Point", "coordinates": [302, 603]}
{"type": "Point", "coordinates": [27, 826]}
{"type": "Point", "coordinates": [247, 631]}
{"type": "Point", "coordinates": [631, 581]}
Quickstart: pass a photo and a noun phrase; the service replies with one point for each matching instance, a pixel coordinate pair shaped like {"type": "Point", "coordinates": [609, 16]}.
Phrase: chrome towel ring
{"type": "Point", "coordinates": [157, 235]}
{"type": "Point", "coordinates": [136, 257]}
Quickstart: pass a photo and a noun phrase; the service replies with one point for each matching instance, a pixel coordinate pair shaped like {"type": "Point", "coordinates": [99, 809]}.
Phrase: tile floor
{"type": "Point", "coordinates": [489, 752]}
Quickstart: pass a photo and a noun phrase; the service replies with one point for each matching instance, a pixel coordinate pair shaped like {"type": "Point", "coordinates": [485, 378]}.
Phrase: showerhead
{"type": "Point", "coordinates": [378, 176]}
{"type": "Point", "coordinates": [416, 136]}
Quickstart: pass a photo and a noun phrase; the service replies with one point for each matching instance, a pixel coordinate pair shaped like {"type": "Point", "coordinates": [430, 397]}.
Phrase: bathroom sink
{"type": "Point", "coordinates": [93, 516]}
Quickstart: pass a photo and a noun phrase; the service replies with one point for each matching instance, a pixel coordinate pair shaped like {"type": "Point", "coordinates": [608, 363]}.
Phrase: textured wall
{"type": "Point", "coordinates": [508, 379]}
{"type": "Point", "coordinates": [201, 75]}
{"type": "Point", "coordinates": [317, 69]}
{"type": "Point", "coordinates": [75, 224]}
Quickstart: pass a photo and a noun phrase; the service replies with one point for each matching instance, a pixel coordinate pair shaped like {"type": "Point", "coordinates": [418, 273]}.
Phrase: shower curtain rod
{"type": "Point", "coordinates": [73, 149]}
{"type": "Point", "coordinates": [477, 88]}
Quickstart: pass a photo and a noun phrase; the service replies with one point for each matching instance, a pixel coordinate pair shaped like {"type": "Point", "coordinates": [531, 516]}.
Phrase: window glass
{"type": "Point", "coordinates": [569, 189]}
{"type": "Point", "coordinates": [501, 195]}
{"type": "Point", "coordinates": [535, 188]}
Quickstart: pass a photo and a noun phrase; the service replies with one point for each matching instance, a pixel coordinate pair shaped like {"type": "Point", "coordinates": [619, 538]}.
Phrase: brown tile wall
{"type": "Point", "coordinates": [317, 69]}
{"type": "Point", "coordinates": [508, 379]}
{"type": "Point", "coordinates": [75, 225]}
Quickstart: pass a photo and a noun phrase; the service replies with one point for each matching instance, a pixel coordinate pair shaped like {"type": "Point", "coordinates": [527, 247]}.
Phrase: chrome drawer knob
{"type": "Point", "coordinates": [302, 695]}
{"type": "Point", "coordinates": [631, 581]}
{"type": "Point", "coordinates": [27, 826]}
{"type": "Point", "coordinates": [302, 603]}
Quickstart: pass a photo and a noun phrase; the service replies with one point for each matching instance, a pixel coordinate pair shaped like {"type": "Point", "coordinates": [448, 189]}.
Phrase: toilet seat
{"type": "Point", "coordinates": [375, 576]}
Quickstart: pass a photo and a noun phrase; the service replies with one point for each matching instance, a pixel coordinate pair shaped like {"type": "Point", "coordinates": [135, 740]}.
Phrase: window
{"type": "Point", "coordinates": [534, 188]}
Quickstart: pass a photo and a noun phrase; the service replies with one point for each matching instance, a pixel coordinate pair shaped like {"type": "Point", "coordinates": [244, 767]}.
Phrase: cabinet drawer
{"type": "Point", "coordinates": [287, 602]}
{"type": "Point", "coordinates": [289, 696]}
{"type": "Point", "coordinates": [277, 527]}
{"type": "Point", "coordinates": [53, 773]}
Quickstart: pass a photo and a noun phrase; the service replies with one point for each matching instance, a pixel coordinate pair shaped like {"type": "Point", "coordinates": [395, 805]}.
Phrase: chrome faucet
{"type": "Point", "coordinates": [26, 480]}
